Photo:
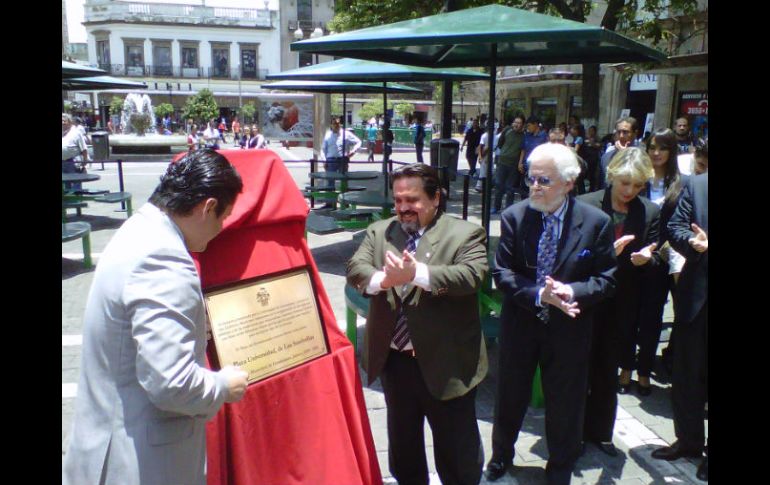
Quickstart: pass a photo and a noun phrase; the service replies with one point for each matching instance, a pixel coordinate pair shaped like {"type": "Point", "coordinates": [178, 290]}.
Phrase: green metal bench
{"type": "Point", "coordinates": [318, 224]}
{"type": "Point", "coordinates": [115, 197]}
{"type": "Point", "coordinates": [71, 204]}
{"type": "Point", "coordinates": [75, 230]}
{"type": "Point", "coordinates": [356, 304]}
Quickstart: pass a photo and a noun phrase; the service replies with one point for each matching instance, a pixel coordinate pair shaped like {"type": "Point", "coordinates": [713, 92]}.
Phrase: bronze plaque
{"type": "Point", "coordinates": [268, 324]}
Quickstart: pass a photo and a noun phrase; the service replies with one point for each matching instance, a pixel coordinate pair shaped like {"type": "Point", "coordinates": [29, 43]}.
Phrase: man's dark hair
{"type": "Point", "coordinates": [195, 177]}
{"type": "Point", "coordinates": [428, 174]}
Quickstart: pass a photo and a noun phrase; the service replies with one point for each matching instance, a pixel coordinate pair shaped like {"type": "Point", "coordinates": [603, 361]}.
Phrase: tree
{"type": "Point", "coordinates": [640, 21]}
{"type": "Point", "coordinates": [201, 107]}
{"type": "Point", "coordinates": [336, 105]}
{"type": "Point", "coordinates": [116, 105]}
{"type": "Point", "coordinates": [404, 109]}
{"type": "Point", "coordinates": [164, 109]}
{"type": "Point", "coordinates": [372, 109]}
{"type": "Point", "coordinates": [247, 112]}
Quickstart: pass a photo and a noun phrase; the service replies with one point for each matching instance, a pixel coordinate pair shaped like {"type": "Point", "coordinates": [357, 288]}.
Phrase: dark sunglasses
{"type": "Point", "coordinates": [541, 181]}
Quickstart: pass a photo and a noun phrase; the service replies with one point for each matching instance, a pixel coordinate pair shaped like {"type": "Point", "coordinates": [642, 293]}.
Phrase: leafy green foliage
{"type": "Point", "coordinates": [201, 107]}
{"type": "Point", "coordinates": [402, 110]}
{"type": "Point", "coordinates": [640, 18]}
{"type": "Point", "coordinates": [336, 105]}
{"type": "Point", "coordinates": [116, 105]}
{"type": "Point", "coordinates": [163, 109]}
{"type": "Point", "coordinates": [247, 112]}
{"type": "Point", "coordinates": [372, 108]}
{"type": "Point", "coordinates": [140, 122]}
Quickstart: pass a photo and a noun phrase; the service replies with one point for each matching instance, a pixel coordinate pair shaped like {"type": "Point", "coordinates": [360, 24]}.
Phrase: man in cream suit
{"type": "Point", "coordinates": [144, 393]}
{"type": "Point", "coordinates": [422, 271]}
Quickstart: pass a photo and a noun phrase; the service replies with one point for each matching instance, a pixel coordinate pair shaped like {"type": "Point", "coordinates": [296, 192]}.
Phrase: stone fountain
{"type": "Point", "coordinates": [139, 133]}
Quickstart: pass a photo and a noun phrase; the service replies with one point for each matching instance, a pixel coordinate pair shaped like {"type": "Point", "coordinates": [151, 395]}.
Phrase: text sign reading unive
{"type": "Point", "coordinates": [266, 325]}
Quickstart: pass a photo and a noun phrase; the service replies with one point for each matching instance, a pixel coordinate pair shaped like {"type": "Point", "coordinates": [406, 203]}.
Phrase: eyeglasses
{"type": "Point", "coordinates": [541, 181]}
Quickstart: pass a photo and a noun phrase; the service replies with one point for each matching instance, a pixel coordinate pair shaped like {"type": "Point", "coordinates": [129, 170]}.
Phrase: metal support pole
{"type": "Point", "coordinates": [385, 156]}
{"type": "Point", "coordinates": [487, 195]}
{"type": "Point", "coordinates": [120, 181]}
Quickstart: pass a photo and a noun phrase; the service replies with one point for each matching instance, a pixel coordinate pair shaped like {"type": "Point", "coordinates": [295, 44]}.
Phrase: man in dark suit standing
{"type": "Point", "coordinates": [555, 262]}
{"type": "Point", "coordinates": [422, 270]}
{"type": "Point", "coordinates": [688, 235]}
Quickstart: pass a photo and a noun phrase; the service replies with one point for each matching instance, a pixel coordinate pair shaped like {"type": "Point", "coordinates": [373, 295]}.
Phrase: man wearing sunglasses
{"type": "Point", "coordinates": [554, 263]}
{"type": "Point", "coordinates": [625, 136]}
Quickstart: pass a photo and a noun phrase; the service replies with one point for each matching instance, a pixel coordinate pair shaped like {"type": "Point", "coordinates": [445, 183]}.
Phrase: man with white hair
{"type": "Point", "coordinates": [554, 263]}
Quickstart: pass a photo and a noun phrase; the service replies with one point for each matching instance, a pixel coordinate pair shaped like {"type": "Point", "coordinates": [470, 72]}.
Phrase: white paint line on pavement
{"type": "Point", "coordinates": [285, 154]}
{"type": "Point", "coordinates": [68, 390]}
{"type": "Point", "coordinates": [634, 434]}
{"type": "Point", "coordinates": [71, 340]}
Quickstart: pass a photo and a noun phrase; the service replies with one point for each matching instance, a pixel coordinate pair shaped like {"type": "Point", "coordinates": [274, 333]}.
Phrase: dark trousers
{"type": "Point", "coordinates": [689, 382]}
{"type": "Point", "coordinates": [602, 401]}
{"type": "Point", "coordinates": [561, 348]}
{"type": "Point", "coordinates": [332, 164]}
{"type": "Point", "coordinates": [68, 166]}
{"type": "Point", "coordinates": [645, 331]}
{"type": "Point", "coordinates": [418, 148]}
{"type": "Point", "coordinates": [457, 448]}
{"type": "Point", "coordinates": [506, 182]}
{"type": "Point", "coordinates": [472, 158]}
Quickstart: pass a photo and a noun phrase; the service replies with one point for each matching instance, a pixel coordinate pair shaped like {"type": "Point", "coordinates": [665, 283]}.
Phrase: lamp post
{"type": "Point", "coordinates": [298, 35]}
{"type": "Point", "coordinates": [321, 107]}
{"type": "Point", "coordinates": [462, 105]}
{"type": "Point", "coordinates": [317, 33]}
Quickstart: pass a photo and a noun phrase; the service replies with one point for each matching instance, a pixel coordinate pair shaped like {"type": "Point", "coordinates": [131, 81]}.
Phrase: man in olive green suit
{"type": "Point", "coordinates": [422, 270]}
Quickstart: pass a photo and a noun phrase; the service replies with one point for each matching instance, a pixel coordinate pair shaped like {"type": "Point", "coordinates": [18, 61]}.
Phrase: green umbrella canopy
{"type": "Point", "coordinates": [70, 70]}
{"type": "Point", "coordinates": [339, 87]}
{"type": "Point", "coordinates": [363, 71]}
{"type": "Point", "coordinates": [465, 38]}
{"type": "Point", "coordinates": [99, 82]}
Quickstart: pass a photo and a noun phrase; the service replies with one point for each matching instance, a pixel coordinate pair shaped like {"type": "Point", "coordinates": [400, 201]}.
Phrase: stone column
{"type": "Point", "coordinates": [322, 109]}
{"type": "Point", "coordinates": [665, 101]}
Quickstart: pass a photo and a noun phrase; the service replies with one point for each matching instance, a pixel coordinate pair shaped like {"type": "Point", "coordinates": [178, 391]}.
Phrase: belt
{"type": "Point", "coordinates": [405, 353]}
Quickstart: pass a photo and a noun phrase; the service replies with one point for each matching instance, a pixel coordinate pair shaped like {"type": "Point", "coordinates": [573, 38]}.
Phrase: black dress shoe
{"type": "Point", "coordinates": [676, 451]}
{"type": "Point", "coordinates": [607, 448]}
{"type": "Point", "coordinates": [703, 469]}
{"type": "Point", "coordinates": [495, 470]}
{"type": "Point", "coordinates": [624, 388]}
{"type": "Point", "coordinates": [643, 390]}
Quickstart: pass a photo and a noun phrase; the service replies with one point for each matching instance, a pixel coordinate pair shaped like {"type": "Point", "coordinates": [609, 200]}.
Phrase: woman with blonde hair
{"type": "Point", "coordinates": [636, 222]}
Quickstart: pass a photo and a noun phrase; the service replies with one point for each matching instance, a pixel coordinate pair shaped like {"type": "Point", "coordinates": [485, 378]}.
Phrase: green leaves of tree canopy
{"type": "Point", "coordinates": [201, 107]}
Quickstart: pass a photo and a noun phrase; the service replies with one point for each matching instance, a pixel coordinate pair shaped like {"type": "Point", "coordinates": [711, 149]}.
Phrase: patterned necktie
{"type": "Point", "coordinates": [546, 256]}
{"type": "Point", "coordinates": [401, 332]}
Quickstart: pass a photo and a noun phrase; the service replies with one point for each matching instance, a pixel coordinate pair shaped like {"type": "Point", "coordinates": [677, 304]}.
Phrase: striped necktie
{"type": "Point", "coordinates": [546, 256]}
{"type": "Point", "coordinates": [401, 332]}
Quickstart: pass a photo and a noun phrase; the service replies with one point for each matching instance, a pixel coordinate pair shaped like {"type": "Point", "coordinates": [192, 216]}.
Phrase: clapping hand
{"type": "Point", "coordinates": [558, 294]}
{"type": "Point", "coordinates": [642, 256]}
{"type": "Point", "coordinates": [699, 242]}
{"type": "Point", "coordinates": [398, 271]}
{"type": "Point", "coordinates": [622, 242]}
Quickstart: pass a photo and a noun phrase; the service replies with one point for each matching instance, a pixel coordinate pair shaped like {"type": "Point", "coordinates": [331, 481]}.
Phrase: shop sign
{"type": "Point", "coordinates": [694, 103]}
{"type": "Point", "coordinates": [644, 82]}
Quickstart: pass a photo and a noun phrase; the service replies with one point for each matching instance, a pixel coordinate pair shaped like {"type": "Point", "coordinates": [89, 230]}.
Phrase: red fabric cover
{"type": "Point", "coordinates": [307, 425]}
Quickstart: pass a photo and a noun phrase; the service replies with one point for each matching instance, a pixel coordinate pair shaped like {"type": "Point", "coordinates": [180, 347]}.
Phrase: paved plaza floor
{"type": "Point", "coordinates": [642, 425]}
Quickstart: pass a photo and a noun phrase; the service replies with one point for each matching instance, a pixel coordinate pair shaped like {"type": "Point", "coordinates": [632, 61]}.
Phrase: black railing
{"type": "Point", "coordinates": [234, 73]}
{"type": "Point", "coordinates": [183, 72]}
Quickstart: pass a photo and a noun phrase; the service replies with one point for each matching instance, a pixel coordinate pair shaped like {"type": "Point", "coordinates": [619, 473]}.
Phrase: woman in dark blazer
{"type": "Point", "coordinates": [665, 190]}
{"type": "Point", "coordinates": [636, 223]}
